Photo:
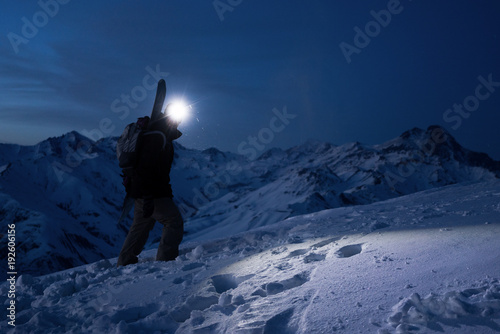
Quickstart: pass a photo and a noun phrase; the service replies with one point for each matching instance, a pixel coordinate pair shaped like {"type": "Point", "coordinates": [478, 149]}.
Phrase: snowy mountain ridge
{"type": "Point", "coordinates": [65, 193]}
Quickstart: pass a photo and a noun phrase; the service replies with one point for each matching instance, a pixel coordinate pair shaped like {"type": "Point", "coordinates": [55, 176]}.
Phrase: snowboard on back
{"type": "Point", "coordinates": [161, 92]}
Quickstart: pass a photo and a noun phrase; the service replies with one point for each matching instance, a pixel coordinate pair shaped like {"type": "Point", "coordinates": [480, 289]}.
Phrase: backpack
{"type": "Point", "coordinates": [128, 146]}
{"type": "Point", "coordinates": [128, 143]}
{"type": "Point", "coordinates": [127, 152]}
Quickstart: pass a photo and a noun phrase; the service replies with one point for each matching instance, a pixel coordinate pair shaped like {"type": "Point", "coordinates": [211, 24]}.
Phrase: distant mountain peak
{"type": "Point", "coordinates": [436, 133]}
{"type": "Point", "coordinates": [272, 152]}
{"type": "Point", "coordinates": [415, 132]}
{"type": "Point", "coordinates": [70, 137]}
{"type": "Point", "coordinates": [309, 147]}
{"type": "Point", "coordinates": [212, 151]}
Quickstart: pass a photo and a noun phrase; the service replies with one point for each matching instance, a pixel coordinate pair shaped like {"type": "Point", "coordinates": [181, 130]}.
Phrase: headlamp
{"type": "Point", "coordinates": [177, 111]}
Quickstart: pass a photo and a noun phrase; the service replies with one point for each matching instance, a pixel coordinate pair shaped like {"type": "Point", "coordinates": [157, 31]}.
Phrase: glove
{"type": "Point", "coordinates": [148, 207]}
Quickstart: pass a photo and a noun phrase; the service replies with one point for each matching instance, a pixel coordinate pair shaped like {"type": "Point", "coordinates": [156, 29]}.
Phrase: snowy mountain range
{"type": "Point", "coordinates": [64, 194]}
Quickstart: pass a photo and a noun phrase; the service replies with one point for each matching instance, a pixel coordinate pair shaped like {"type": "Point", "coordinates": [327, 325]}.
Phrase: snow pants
{"type": "Point", "coordinates": [167, 214]}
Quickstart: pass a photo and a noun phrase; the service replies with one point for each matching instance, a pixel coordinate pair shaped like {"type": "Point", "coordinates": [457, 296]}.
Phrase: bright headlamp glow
{"type": "Point", "coordinates": [178, 111]}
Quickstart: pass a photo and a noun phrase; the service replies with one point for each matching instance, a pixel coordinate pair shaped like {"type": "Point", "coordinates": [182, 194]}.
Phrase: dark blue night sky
{"type": "Point", "coordinates": [336, 71]}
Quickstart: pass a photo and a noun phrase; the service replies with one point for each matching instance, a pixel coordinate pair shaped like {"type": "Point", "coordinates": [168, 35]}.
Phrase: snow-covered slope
{"type": "Point", "coordinates": [316, 176]}
{"type": "Point", "coordinates": [65, 193]}
{"type": "Point", "coordinates": [422, 263]}
{"type": "Point", "coordinates": [63, 200]}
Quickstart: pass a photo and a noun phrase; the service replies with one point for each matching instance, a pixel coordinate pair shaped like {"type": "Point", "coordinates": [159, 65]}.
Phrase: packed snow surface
{"type": "Point", "coordinates": [422, 263]}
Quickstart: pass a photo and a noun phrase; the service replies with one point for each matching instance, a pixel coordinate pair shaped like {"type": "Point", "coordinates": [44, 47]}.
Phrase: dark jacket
{"type": "Point", "coordinates": [150, 178]}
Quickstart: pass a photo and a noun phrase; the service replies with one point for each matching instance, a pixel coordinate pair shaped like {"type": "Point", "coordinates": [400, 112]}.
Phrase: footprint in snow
{"type": "Point", "coordinates": [313, 257]}
{"type": "Point", "coordinates": [297, 252]}
{"type": "Point", "coordinates": [274, 288]}
{"type": "Point", "coordinates": [324, 243]}
{"type": "Point", "coordinates": [216, 294]}
{"type": "Point", "coordinates": [225, 282]}
{"type": "Point", "coordinates": [349, 250]}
